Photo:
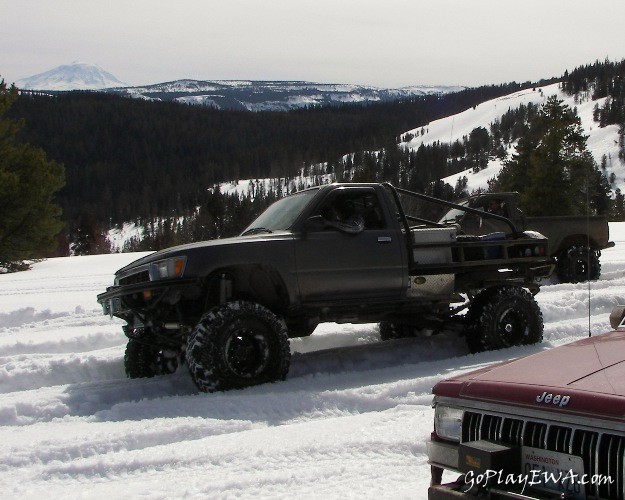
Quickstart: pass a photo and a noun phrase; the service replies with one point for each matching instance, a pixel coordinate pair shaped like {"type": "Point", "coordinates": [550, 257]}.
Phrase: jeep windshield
{"type": "Point", "coordinates": [281, 214]}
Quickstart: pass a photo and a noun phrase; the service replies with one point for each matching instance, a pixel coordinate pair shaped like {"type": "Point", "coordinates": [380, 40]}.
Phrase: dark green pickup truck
{"type": "Point", "coordinates": [574, 241]}
{"type": "Point", "coordinates": [347, 253]}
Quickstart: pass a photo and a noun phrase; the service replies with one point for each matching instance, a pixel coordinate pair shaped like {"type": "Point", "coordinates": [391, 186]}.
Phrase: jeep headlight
{"type": "Point", "coordinates": [168, 268]}
{"type": "Point", "coordinates": [448, 422]}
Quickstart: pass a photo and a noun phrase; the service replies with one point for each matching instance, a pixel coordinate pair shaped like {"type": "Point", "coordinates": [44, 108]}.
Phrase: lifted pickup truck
{"type": "Point", "coordinates": [550, 425]}
{"type": "Point", "coordinates": [347, 253]}
{"type": "Point", "coordinates": [575, 241]}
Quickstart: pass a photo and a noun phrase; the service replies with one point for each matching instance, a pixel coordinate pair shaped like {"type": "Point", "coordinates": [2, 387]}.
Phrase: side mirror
{"type": "Point", "coordinates": [616, 316]}
{"type": "Point", "coordinates": [315, 223]}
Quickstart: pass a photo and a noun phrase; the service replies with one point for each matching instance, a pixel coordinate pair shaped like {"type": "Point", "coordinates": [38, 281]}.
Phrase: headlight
{"type": "Point", "coordinates": [168, 268]}
{"type": "Point", "coordinates": [448, 422]}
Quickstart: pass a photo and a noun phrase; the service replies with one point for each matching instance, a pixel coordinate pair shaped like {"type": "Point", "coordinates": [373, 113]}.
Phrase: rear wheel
{"type": "Point", "coordinates": [143, 360]}
{"type": "Point", "coordinates": [238, 345]}
{"type": "Point", "coordinates": [503, 317]}
{"type": "Point", "coordinates": [578, 264]}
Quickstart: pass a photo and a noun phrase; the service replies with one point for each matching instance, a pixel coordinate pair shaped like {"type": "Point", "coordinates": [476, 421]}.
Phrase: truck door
{"type": "Point", "coordinates": [354, 252]}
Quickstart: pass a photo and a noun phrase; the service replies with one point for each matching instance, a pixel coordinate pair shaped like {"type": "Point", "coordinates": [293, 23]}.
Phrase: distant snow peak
{"type": "Point", "coordinates": [75, 76]}
{"type": "Point", "coordinates": [272, 95]}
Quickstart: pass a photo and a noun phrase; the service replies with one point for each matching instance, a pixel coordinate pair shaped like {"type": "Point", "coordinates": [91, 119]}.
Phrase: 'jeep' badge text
{"type": "Point", "coordinates": [554, 399]}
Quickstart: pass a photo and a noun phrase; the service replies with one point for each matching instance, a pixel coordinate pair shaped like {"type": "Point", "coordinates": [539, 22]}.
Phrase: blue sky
{"type": "Point", "coordinates": [388, 43]}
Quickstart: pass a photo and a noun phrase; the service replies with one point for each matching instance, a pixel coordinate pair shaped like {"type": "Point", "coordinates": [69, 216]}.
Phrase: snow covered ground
{"type": "Point", "coordinates": [351, 420]}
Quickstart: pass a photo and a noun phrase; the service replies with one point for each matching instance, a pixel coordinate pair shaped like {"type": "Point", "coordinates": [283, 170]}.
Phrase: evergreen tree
{"type": "Point", "coordinates": [88, 238]}
{"type": "Point", "coordinates": [29, 218]}
{"type": "Point", "coordinates": [552, 167]}
{"type": "Point", "coordinates": [618, 208]}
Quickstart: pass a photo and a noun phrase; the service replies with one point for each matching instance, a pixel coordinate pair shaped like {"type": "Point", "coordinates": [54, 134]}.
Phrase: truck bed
{"type": "Point", "coordinates": [457, 258]}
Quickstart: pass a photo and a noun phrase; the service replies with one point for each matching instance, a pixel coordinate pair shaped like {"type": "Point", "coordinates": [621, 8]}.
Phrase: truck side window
{"type": "Point", "coordinates": [372, 213]}
{"type": "Point", "coordinates": [349, 205]}
{"type": "Point", "coordinates": [496, 207]}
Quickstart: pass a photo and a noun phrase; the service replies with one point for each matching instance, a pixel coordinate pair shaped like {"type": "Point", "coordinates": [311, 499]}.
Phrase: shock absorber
{"type": "Point", "coordinates": [225, 288]}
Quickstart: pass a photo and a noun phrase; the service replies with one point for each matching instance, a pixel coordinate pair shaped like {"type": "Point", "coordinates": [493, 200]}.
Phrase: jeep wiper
{"type": "Point", "coordinates": [255, 230]}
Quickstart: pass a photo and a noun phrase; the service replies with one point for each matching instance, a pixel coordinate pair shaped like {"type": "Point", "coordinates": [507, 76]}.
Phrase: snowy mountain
{"type": "Point", "coordinates": [75, 76]}
{"type": "Point", "coordinates": [602, 141]}
{"type": "Point", "coordinates": [270, 95]}
{"type": "Point", "coordinates": [244, 95]}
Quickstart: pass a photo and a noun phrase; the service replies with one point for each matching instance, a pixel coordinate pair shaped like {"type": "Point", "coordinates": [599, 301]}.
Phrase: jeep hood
{"type": "Point", "coordinates": [591, 372]}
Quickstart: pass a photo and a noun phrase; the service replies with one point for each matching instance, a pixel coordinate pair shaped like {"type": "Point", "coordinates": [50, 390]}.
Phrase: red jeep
{"type": "Point", "coordinates": [550, 425]}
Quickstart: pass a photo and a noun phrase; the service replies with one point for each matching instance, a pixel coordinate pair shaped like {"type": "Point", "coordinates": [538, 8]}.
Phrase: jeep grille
{"type": "Point", "coordinates": [603, 453]}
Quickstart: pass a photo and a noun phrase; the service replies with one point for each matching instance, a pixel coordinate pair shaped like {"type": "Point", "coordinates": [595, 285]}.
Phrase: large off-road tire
{"type": "Point", "coordinates": [143, 360]}
{"type": "Point", "coordinates": [238, 345]}
{"type": "Point", "coordinates": [502, 317]}
{"type": "Point", "coordinates": [578, 264]}
{"type": "Point", "coordinates": [390, 331]}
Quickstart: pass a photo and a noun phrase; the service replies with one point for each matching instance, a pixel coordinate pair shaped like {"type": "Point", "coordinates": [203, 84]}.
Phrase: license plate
{"type": "Point", "coordinates": [554, 471]}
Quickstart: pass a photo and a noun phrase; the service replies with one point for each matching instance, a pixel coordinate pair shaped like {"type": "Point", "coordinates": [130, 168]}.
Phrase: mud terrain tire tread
{"type": "Point", "coordinates": [143, 360]}
{"type": "Point", "coordinates": [236, 345]}
{"type": "Point", "coordinates": [578, 264]}
{"type": "Point", "coordinates": [503, 317]}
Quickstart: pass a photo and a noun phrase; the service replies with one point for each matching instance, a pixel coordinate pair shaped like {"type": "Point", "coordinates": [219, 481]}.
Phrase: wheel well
{"type": "Point", "coordinates": [253, 282]}
{"type": "Point", "coordinates": [575, 240]}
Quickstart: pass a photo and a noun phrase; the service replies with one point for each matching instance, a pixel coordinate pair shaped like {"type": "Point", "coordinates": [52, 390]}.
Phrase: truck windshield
{"type": "Point", "coordinates": [453, 214]}
{"type": "Point", "coordinates": [282, 213]}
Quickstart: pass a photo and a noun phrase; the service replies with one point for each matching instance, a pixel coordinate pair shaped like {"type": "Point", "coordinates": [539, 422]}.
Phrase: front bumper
{"type": "Point", "coordinates": [145, 298]}
{"type": "Point", "coordinates": [458, 490]}
{"type": "Point", "coordinates": [446, 456]}
{"type": "Point", "coordinates": [491, 470]}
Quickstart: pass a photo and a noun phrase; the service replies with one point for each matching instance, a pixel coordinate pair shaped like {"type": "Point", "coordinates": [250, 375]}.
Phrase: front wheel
{"type": "Point", "coordinates": [503, 317]}
{"type": "Point", "coordinates": [238, 345]}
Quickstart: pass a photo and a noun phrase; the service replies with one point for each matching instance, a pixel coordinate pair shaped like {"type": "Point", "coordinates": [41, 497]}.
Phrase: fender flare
{"type": "Point", "coordinates": [258, 282]}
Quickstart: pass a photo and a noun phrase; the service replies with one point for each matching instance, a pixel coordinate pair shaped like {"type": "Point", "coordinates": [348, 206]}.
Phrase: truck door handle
{"type": "Point", "coordinates": [384, 239]}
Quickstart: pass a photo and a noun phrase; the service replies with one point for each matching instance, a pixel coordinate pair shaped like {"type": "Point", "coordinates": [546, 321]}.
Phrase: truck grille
{"type": "Point", "coordinates": [603, 453]}
{"type": "Point", "coordinates": [132, 279]}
